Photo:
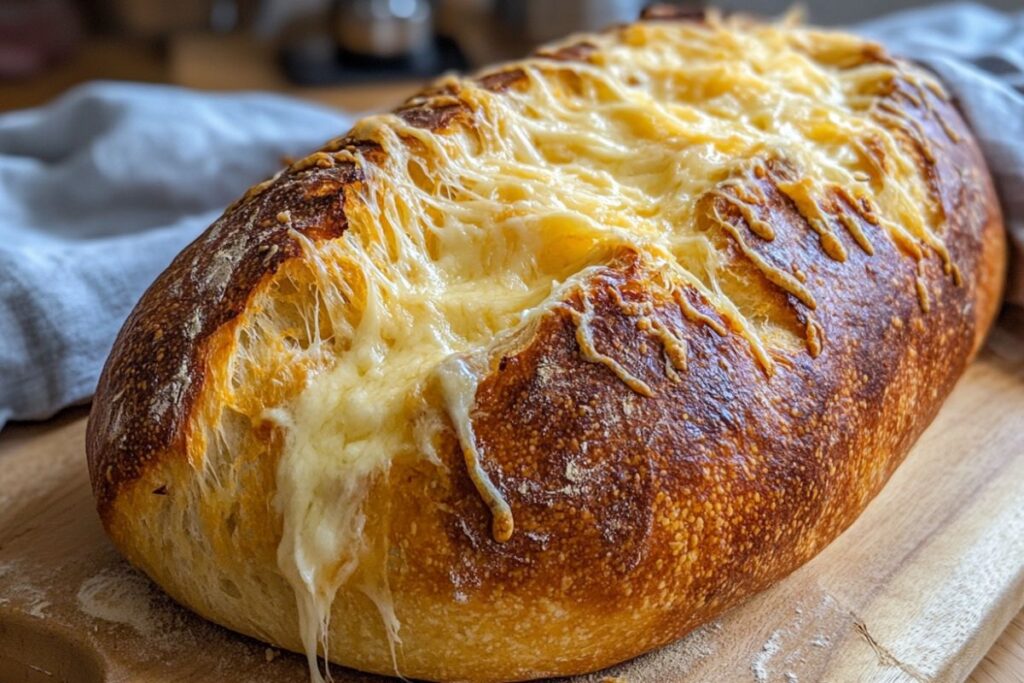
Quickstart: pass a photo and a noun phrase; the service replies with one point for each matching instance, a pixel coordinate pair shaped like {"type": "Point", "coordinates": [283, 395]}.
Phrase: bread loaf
{"type": "Point", "coordinates": [555, 363]}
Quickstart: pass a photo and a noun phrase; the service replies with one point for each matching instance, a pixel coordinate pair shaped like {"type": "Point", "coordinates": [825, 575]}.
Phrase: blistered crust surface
{"type": "Point", "coordinates": [156, 367]}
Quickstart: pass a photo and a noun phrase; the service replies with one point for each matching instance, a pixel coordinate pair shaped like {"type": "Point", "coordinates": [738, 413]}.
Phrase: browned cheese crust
{"type": "Point", "coordinates": [649, 514]}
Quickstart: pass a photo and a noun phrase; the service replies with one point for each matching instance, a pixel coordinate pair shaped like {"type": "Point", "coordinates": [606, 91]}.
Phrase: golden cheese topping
{"type": "Point", "coordinates": [460, 237]}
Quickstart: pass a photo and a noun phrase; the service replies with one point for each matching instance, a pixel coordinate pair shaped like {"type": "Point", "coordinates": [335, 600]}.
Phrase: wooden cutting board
{"type": "Point", "coordinates": [917, 590]}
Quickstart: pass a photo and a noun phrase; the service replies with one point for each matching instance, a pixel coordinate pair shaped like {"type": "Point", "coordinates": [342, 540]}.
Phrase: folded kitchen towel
{"type": "Point", "coordinates": [99, 190]}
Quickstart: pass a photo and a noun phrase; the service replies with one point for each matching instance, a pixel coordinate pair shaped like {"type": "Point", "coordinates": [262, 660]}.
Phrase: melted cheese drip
{"type": "Point", "coordinates": [459, 237]}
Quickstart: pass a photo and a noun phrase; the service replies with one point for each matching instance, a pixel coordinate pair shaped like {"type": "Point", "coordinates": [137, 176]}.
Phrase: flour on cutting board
{"type": "Point", "coordinates": [121, 596]}
{"type": "Point", "coordinates": [792, 647]}
{"type": "Point", "coordinates": [764, 656]}
{"type": "Point", "coordinates": [33, 600]}
{"type": "Point", "coordinates": [24, 594]}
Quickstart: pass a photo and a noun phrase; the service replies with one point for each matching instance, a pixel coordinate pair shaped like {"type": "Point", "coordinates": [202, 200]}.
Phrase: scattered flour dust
{"type": "Point", "coordinates": [37, 607]}
{"type": "Point", "coordinates": [762, 658]}
{"type": "Point", "coordinates": [33, 600]}
{"type": "Point", "coordinates": [163, 631]}
{"type": "Point", "coordinates": [805, 637]}
{"type": "Point", "coordinates": [28, 597]}
{"type": "Point", "coordinates": [121, 596]}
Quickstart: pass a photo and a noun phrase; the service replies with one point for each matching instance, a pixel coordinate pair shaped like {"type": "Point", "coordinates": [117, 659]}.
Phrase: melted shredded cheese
{"type": "Point", "coordinates": [458, 382]}
{"type": "Point", "coordinates": [459, 237]}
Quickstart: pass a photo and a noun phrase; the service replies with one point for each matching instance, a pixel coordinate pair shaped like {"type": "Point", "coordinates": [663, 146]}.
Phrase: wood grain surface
{"type": "Point", "coordinates": [918, 589]}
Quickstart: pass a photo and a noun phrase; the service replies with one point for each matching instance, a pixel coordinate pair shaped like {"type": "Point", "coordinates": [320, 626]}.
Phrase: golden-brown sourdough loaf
{"type": "Point", "coordinates": [556, 363]}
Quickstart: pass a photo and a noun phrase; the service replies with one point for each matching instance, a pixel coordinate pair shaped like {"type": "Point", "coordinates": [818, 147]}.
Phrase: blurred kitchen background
{"type": "Point", "coordinates": [355, 54]}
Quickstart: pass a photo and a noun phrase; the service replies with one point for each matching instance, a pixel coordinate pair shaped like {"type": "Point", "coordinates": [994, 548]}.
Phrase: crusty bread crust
{"type": "Point", "coordinates": [685, 502]}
